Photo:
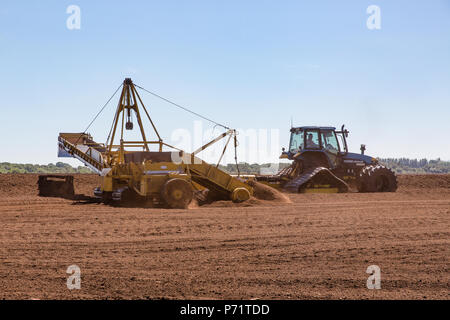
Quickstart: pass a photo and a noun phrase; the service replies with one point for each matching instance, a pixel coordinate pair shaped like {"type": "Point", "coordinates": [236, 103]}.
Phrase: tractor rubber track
{"type": "Point", "coordinates": [295, 184]}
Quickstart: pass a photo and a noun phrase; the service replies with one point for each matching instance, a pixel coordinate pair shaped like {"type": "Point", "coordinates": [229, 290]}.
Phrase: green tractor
{"type": "Point", "coordinates": [322, 164]}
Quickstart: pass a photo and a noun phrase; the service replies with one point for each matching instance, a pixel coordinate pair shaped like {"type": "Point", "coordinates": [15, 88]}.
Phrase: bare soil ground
{"type": "Point", "coordinates": [316, 247]}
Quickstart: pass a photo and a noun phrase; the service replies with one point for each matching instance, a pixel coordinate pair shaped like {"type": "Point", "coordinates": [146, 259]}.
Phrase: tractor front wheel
{"type": "Point", "coordinates": [377, 178]}
{"type": "Point", "coordinates": [177, 193]}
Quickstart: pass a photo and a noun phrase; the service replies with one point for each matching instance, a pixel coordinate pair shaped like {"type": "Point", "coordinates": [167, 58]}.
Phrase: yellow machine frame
{"type": "Point", "coordinates": [150, 177]}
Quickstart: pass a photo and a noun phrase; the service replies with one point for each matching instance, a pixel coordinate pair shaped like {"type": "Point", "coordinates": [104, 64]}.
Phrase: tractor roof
{"type": "Point", "coordinates": [312, 128]}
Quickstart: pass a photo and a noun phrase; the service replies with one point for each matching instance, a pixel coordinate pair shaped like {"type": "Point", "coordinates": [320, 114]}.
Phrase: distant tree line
{"type": "Point", "coordinates": [59, 167]}
{"type": "Point", "coordinates": [404, 165]}
{"type": "Point", "coordinates": [399, 165]}
{"type": "Point", "coordinates": [247, 168]}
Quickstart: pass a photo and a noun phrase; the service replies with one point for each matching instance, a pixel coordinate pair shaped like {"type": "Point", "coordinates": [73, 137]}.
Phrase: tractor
{"type": "Point", "coordinates": [322, 164]}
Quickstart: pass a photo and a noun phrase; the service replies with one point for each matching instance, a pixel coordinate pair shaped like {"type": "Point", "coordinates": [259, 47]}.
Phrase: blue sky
{"type": "Point", "coordinates": [248, 64]}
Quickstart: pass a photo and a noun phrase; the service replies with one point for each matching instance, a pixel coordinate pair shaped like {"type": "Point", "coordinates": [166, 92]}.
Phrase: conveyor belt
{"type": "Point", "coordinates": [89, 155]}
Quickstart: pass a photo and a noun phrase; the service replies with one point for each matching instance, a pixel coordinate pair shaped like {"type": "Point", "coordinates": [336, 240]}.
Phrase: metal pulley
{"type": "Point", "coordinates": [129, 123]}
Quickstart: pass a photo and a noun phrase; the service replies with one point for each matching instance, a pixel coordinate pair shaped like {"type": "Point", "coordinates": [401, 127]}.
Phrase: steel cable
{"type": "Point", "coordinates": [184, 108]}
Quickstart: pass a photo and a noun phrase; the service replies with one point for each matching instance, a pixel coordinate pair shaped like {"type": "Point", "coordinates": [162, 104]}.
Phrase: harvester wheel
{"type": "Point", "coordinates": [240, 195]}
{"type": "Point", "coordinates": [177, 193]}
{"type": "Point", "coordinates": [377, 178]}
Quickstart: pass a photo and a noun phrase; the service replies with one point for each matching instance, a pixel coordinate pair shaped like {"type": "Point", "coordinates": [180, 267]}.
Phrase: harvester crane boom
{"type": "Point", "coordinates": [229, 131]}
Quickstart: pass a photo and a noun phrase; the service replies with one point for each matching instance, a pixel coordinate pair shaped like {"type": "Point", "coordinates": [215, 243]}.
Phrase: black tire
{"type": "Point", "coordinates": [177, 193]}
{"type": "Point", "coordinates": [377, 178]}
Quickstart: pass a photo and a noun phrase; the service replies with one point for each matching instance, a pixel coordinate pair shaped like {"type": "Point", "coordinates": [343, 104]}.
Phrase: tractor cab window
{"type": "Point", "coordinates": [297, 141]}
{"type": "Point", "coordinates": [312, 139]}
{"type": "Point", "coordinates": [330, 142]}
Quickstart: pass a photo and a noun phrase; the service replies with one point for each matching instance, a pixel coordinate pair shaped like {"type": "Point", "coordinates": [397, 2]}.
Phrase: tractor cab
{"type": "Point", "coordinates": [324, 144]}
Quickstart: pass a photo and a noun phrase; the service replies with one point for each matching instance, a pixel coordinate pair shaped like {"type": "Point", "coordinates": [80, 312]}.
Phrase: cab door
{"type": "Point", "coordinates": [330, 146]}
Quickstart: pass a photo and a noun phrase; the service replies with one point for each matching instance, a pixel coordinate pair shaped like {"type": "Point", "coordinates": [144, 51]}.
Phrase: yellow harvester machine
{"type": "Point", "coordinates": [130, 170]}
